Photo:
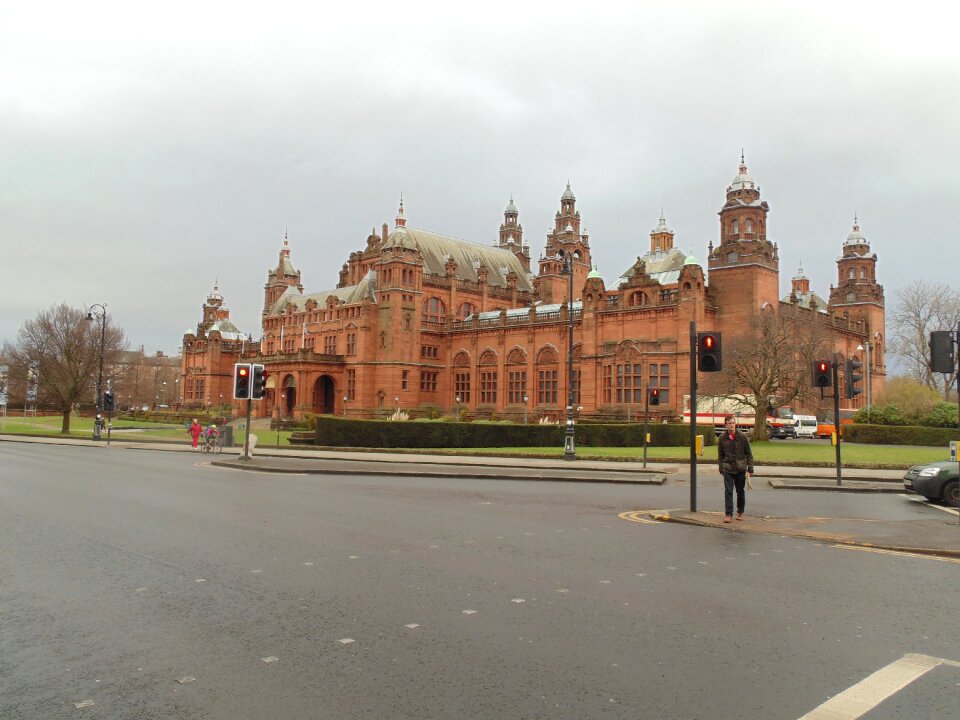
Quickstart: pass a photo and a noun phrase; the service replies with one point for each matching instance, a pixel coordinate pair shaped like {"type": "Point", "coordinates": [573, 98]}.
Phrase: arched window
{"type": "Point", "coordinates": [465, 310]}
{"type": "Point", "coordinates": [434, 311]}
{"type": "Point", "coordinates": [488, 377]}
{"type": "Point", "coordinates": [639, 298]}
{"type": "Point", "coordinates": [749, 225]}
{"type": "Point", "coordinates": [850, 275]}
{"type": "Point", "coordinates": [736, 227]}
{"type": "Point", "coordinates": [461, 377]}
{"type": "Point", "coordinates": [516, 376]}
{"type": "Point", "coordinates": [548, 376]}
{"type": "Point", "coordinates": [863, 273]}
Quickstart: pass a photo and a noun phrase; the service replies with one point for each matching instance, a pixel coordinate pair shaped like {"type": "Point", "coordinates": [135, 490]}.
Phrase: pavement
{"type": "Point", "coordinates": [940, 537]}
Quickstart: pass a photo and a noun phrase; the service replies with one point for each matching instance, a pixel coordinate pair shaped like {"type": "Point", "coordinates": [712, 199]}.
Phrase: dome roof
{"type": "Point", "coordinates": [661, 226]}
{"type": "Point", "coordinates": [855, 237]}
{"type": "Point", "coordinates": [511, 208]}
{"type": "Point", "coordinates": [800, 275]}
{"type": "Point", "coordinates": [743, 180]}
{"type": "Point", "coordinates": [568, 193]}
{"type": "Point", "coordinates": [594, 273]}
{"type": "Point", "coordinates": [691, 260]}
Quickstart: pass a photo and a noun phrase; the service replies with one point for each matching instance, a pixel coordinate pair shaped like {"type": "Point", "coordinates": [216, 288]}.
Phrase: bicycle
{"type": "Point", "coordinates": [212, 444]}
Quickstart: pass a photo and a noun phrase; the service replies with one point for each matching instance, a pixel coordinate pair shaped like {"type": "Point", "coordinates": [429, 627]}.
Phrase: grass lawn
{"type": "Point", "coordinates": [792, 452]}
{"type": "Point", "coordinates": [134, 430]}
{"type": "Point", "coordinates": [770, 453]}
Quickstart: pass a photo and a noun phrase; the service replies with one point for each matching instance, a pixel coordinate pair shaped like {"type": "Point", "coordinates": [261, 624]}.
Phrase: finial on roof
{"type": "Point", "coordinates": [741, 156]}
{"type": "Point", "coordinates": [401, 220]}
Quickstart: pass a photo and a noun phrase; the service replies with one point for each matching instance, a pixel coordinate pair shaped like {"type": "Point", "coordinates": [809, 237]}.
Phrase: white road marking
{"type": "Point", "coordinates": [256, 571]}
{"type": "Point", "coordinates": [186, 679]}
{"type": "Point", "coordinates": [270, 659]}
{"type": "Point", "coordinates": [858, 700]}
{"type": "Point", "coordinates": [308, 564]}
{"type": "Point", "coordinates": [346, 641]}
{"type": "Point", "coordinates": [200, 580]}
{"type": "Point", "coordinates": [83, 704]}
{"type": "Point", "coordinates": [140, 589]}
{"type": "Point", "coordinates": [518, 600]}
{"type": "Point", "coordinates": [923, 501]}
{"type": "Point", "coordinates": [353, 557]}
{"type": "Point", "coordinates": [412, 626]}
{"type": "Point", "coordinates": [469, 612]}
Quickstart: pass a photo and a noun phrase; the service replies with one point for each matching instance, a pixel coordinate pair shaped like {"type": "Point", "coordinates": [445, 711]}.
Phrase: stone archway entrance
{"type": "Point", "coordinates": [324, 395]}
{"type": "Point", "coordinates": [289, 395]}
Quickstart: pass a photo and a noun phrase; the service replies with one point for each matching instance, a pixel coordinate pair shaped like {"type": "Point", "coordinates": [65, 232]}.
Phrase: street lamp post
{"type": "Point", "coordinates": [345, 399]}
{"type": "Point", "coordinates": [526, 400]}
{"type": "Point", "coordinates": [569, 445]}
{"type": "Point", "coordinates": [100, 315]}
{"type": "Point", "coordinates": [458, 408]}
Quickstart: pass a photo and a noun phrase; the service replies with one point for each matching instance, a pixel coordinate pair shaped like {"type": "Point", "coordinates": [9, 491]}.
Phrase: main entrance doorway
{"type": "Point", "coordinates": [324, 395]}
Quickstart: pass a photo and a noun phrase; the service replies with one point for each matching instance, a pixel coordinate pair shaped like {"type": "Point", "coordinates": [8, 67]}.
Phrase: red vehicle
{"type": "Point", "coordinates": [711, 410]}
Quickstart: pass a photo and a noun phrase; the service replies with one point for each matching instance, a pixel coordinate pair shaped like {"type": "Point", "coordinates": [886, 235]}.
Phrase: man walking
{"type": "Point", "coordinates": [736, 462]}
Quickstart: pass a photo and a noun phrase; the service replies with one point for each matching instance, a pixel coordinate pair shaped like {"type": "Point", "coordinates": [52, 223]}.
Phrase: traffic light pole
{"type": "Point", "coordinates": [246, 441]}
{"type": "Point", "coordinates": [693, 416]}
{"type": "Point", "coordinates": [836, 412]}
{"type": "Point", "coordinates": [646, 415]}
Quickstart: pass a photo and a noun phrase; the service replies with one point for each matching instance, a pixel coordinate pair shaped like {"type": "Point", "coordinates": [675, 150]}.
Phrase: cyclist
{"type": "Point", "coordinates": [212, 436]}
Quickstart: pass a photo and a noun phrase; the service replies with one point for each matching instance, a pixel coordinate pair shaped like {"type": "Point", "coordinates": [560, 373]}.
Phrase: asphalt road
{"type": "Point", "coordinates": [123, 573]}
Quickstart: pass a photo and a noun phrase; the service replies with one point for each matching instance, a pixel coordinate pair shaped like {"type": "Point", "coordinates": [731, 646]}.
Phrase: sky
{"type": "Point", "coordinates": [149, 151]}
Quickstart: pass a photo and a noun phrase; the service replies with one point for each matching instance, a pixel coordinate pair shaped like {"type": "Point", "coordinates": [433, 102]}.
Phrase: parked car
{"type": "Point", "coordinates": [935, 481]}
{"type": "Point", "coordinates": [805, 426]}
{"type": "Point", "coordinates": [782, 431]}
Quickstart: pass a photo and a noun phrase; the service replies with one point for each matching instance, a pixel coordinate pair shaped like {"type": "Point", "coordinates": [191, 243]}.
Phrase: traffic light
{"type": "Point", "coordinates": [822, 374]}
{"type": "Point", "coordinates": [654, 396]}
{"type": "Point", "coordinates": [109, 401]}
{"type": "Point", "coordinates": [241, 381]}
{"type": "Point", "coordinates": [259, 382]}
{"type": "Point", "coordinates": [852, 377]}
{"type": "Point", "coordinates": [942, 359]}
{"type": "Point", "coordinates": [709, 356]}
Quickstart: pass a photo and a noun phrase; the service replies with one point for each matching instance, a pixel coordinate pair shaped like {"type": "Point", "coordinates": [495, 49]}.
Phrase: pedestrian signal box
{"type": "Point", "coordinates": [709, 356]}
{"type": "Point", "coordinates": [259, 381]}
{"type": "Point", "coordinates": [822, 371]}
{"type": "Point", "coordinates": [241, 381]}
{"type": "Point", "coordinates": [654, 396]}
{"type": "Point", "coordinates": [852, 378]}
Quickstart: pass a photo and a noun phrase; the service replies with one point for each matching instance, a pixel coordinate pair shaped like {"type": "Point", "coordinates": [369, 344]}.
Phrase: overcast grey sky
{"type": "Point", "coordinates": [149, 150]}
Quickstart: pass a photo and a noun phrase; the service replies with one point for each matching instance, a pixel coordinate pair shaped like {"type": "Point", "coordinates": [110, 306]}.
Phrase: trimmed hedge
{"type": "Point", "coordinates": [339, 432]}
{"type": "Point", "coordinates": [899, 435]}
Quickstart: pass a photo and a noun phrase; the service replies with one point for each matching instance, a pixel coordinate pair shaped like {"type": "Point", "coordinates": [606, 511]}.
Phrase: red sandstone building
{"type": "Point", "coordinates": [431, 324]}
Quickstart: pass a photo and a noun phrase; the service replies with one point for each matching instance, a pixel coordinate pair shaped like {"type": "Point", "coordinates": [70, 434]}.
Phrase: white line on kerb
{"type": "Point", "coordinates": [861, 698]}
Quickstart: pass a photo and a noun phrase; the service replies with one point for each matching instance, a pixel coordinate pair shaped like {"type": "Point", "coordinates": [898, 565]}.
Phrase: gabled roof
{"type": "Point", "coordinates": [664, 266]}
{"type": "Point", "coordinates": [804, 300]}
{"type": "Point", "coordinates": [468, 256]}
{"type": "Point", "coordinates": [227, 330]}
{"type": "Point", "coordinates": [350, 295]}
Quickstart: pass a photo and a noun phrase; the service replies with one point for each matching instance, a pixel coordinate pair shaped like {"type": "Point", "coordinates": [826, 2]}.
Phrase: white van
{"type": "Point", "coordinates": [805, 426]}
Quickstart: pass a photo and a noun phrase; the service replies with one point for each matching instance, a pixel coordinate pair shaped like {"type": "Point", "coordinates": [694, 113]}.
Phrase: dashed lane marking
{"type": "Point", "coordinates": [903, 553]}
{"type": "Point", "coordinates": [642, 516]}
{"type": "Point", "coordinates": [857, 700]}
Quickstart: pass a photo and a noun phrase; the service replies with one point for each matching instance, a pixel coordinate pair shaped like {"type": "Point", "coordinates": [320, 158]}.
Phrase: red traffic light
{"type": "Point", "coordinates": [242, 371]}
{"type": "Point", "coordinates": [708, 342]}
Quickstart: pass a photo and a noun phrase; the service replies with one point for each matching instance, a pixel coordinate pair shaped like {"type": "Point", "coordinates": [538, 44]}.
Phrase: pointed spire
{"type": "Point", "coordinates": [401, 220]}
{"type": "Point", "coordinates": [568, 193]}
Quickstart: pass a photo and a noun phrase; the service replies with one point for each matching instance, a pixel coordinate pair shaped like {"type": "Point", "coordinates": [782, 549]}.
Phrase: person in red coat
{"type": "Point", "coordinates": [195, 430]}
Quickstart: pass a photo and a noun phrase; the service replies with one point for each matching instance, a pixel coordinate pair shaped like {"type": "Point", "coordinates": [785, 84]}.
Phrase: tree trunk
{"type": "Point", "coordinates": [65, 424]}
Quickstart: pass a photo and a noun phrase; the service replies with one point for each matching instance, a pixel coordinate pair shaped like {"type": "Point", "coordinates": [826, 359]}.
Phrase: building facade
{"type": "Point", "coordinates": [431, 324]}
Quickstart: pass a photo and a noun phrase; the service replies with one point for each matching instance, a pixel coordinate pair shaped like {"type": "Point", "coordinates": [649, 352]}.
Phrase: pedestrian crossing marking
{"type": "Point", "coordinates": [857, 700]}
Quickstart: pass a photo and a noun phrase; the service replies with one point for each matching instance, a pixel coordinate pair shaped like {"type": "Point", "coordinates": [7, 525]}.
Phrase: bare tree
{"type": "Point", "coordinates": [65, 348]}
{"type": "Point", "coordinates": [923, 307]}
{"type": "Point", "coordinates": [769, 364]}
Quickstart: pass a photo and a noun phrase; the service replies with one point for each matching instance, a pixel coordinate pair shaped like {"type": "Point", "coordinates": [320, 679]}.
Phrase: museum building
{"type": "Point", "coordinates": [431, 324]}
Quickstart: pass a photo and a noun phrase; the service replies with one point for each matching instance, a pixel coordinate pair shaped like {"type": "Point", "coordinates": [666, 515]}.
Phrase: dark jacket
{"type": "Point", "coordinates": [734, 456]}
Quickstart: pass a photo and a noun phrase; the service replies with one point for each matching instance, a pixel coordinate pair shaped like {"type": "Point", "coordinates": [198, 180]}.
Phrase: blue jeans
{"type": "Point", "coordinates": [731, 480]}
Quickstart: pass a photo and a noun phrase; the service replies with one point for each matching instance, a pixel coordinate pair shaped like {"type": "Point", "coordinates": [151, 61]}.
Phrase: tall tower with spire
{"type": "Point", "coordinates": [857, 293]}
{"type": "Point", "coordinates": [567, 238]}
{"type": "Point", "coordinates": [511, 235]}
{"type": "Point", "coordinates": [745, 266]}
{"type": "Point", "coordinates": [281, 277]}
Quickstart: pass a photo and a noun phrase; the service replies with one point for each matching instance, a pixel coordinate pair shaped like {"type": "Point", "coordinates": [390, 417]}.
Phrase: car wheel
{"type": "Point", "coordinates": [951, 494]}
{"type": "Point", "coordinates": [769, 433]}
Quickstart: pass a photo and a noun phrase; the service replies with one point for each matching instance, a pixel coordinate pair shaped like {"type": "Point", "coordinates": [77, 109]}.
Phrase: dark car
{"type": "Point", "coordinates": [782, 432]}
{"type": "Point", "coordinates": [935, 481]}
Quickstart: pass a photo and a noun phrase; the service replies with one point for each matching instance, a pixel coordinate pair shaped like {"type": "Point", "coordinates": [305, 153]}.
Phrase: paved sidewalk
{"type": "Point", "coordinates": [925, 537]}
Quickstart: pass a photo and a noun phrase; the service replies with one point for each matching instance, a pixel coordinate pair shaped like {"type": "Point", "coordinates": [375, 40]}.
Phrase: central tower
{"type": "Point", "coordinates": [745, 266]}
